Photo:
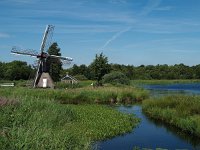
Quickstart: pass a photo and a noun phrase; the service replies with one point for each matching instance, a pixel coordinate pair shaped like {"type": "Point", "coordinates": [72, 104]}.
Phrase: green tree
{"type": "Point", "coordinates": [99, 67]}
{"type": "Point", "coordinates": [2, 70]}
{"type": "Point", "coordinates": [196, 70]}
{"type": "Point", "coordinates": [17, 70]}
{"type": "Point", "coordinates": [54, 65]}
{"type": "Point", "coordinates": [75, 70]}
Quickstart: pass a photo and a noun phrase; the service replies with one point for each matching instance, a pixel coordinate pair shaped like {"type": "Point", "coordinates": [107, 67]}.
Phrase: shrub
{"type": "Point", "coordinates": [116, 78]}
{"type": "Point", "coordinates": [80, 77]}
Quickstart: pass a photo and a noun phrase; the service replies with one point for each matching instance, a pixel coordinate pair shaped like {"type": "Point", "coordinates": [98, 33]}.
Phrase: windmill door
{"type": "Point", "coordinates": [44, 83]}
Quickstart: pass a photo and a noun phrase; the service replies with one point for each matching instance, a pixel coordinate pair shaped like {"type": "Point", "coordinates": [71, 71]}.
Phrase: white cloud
{"type": "Point", "coordinates": [168, 45]}
{"type": "Point", "coordinates": [115, 36]}
{"type": "Point", "coordinates": [5, 47]}
{"type": "Point", "coordinates": [86, 28]}
{"type": "Point", "coordinates": [165, 8]}
{"type": "Point", "coordinates": [184, 51]}
{"type": "Point", "coordinates": [23, 1]}
{"type": "Point", "coordinates": [4, 35]}
{"type": "Point", "coordinates": [118, 1]}
{"type": "Point", "coordinates": [149, 7]}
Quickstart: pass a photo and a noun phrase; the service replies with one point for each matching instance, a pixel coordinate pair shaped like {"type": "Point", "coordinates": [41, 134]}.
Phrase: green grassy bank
{"type": "Point", "coordinates": [35, 119]}
{"type": "Point", "coordinates": [180, 111]}
{"type": "Point", "coordinates": [101, 95]}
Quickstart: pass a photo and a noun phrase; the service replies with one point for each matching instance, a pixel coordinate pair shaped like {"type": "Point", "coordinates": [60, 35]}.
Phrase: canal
{"type": "Point", "coordinates": [153, 134]}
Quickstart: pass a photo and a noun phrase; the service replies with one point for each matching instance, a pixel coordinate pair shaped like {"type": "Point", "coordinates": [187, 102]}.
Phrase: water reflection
{"type": "Point", "coordinates": [193, 140]}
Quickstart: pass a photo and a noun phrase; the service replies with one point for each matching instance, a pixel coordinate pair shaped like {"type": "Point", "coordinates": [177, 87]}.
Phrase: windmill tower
{"type": "Point", "coordinates": [42, 78]}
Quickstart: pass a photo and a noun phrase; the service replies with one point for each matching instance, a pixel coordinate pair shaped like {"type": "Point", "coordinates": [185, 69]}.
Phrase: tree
{"type": "Point", "coordinates": [196, 70]}
{"type": "Point", "coordinates": [17, 70]}
{"type": "Point", "coordinates": [75, 70]}
{"type": "Point", "coordinates": [54, 65]}
{"type": "Point", "coordinates": [100, 67]}
{"type": "Point", "coordinates": [2, 69]}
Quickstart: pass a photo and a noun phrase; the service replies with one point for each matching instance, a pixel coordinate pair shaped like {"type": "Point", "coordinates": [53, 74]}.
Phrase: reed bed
{"type": "Point", "coordinates": [180, 111]}
{"type": "Point", "coordinates": [101, 95]}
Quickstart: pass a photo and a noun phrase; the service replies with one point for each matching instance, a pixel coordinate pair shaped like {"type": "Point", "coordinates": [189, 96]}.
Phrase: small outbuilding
{"type": "Point", "coordinates": [69, 79]}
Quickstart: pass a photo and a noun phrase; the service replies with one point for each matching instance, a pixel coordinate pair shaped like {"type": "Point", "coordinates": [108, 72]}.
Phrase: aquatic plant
{"type": "Point", "coordinates": [42, 123]}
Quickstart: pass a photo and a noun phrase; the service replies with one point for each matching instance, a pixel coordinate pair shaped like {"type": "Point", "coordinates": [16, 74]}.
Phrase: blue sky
{"type": "Point", "coordinates": [133, 32]}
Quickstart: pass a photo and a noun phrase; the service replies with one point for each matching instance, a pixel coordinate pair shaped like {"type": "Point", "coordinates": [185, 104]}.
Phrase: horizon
{"type": "Point", "coordinates": [129, 32]}
{"type": "Point", "coordinates": [71, 65]}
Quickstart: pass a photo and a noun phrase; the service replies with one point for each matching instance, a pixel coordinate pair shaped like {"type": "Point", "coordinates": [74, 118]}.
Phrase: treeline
{"type": "Point", "coordinates": [177, 71]}
{"type": "Point", "coordinates": [15, 70]}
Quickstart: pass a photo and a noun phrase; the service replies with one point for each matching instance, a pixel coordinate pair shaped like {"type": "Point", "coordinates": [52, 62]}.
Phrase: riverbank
{"type": "Point", "coordinates": [38, 119]}
{"type": "Point", "coordinates": [179, 111]}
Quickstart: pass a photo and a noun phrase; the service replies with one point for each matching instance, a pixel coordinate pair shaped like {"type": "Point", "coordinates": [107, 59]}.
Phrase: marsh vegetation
{"type": "Point", "coordinates": [86, 95]}
{"type": "Point", "coordinates": [38, 119]}
{"type": "Point", "coordinates": [179, 111]}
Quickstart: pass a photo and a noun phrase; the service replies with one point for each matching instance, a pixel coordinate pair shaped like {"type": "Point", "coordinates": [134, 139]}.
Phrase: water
{"type": "Point", "coordinates": [151, 133]}
{"type": "Point", "coordinates": [168, 89]}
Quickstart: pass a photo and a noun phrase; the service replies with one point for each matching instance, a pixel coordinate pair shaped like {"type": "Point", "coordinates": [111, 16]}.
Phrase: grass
{"type": "Point", "coordinates": [87, 83]}
{"type": "Point", "coordinates": [58, 85]}
{"type": "Point", "coordinates": [80, 84]}
{"type": "Point", "coordinates": [102, 95]}
{"type": "Point", "coordinates": [34, 119]}
{"type": "Point", "coordinates": [180, 111]}
{"type": "Point", "coordinates": [138, 82]}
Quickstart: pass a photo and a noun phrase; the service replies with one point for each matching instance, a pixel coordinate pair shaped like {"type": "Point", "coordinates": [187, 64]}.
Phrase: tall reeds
{"type": "Point", "coordinates": [102, 95]}
{"type": "Point", "coordinates": [180, 111]}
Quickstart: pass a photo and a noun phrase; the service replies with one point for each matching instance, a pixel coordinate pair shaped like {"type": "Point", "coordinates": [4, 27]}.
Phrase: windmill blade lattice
{"type": "Point", "coordinates": [29, 52]}
{"type": "Point", "coordinates": [47, 39]}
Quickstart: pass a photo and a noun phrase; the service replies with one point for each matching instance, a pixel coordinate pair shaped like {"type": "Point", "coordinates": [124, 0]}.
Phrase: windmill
{"type": "Point", "coordinates": [42, 77]}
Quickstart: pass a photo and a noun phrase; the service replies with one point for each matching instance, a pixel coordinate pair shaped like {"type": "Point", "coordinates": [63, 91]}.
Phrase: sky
{"type": "Point", "coordinates": [129, 32]}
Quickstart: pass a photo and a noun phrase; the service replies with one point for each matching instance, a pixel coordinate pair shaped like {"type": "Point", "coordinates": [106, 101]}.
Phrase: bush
{"type": "Point", "coordinates": [80, 77]}
{"type": "Point", "coordinates": [116, 78]}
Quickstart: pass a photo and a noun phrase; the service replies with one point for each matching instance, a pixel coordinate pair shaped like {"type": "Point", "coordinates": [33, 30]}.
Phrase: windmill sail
{"type": "Point", "coordinates": [28, 52]}
{"type": "Point", "coordinates": [65, 59]}
{"type": "Point", "coordinates": [42, 76]}
{"type": "Point", "coordinates": [46, 41]}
